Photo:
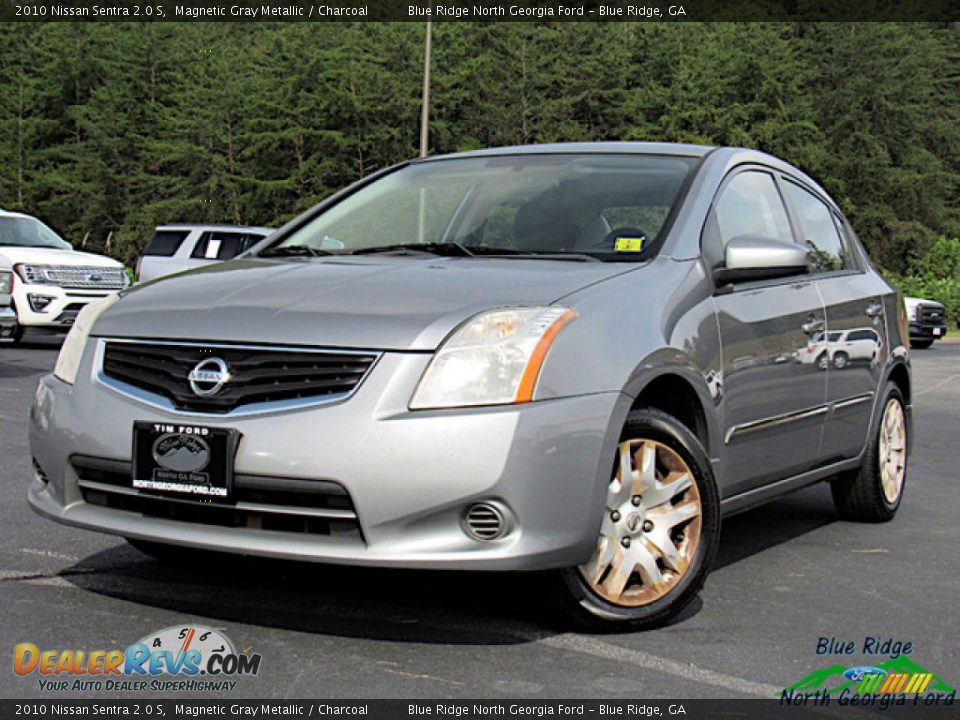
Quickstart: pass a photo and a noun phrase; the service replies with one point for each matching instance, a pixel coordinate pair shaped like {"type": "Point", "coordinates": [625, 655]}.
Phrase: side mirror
{"type": "Point", "coordinates": [753, 257]}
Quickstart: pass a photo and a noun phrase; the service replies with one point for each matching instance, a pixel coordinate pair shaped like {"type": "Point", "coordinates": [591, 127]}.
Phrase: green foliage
{"type": "Point", "coordinates": [107, 129]}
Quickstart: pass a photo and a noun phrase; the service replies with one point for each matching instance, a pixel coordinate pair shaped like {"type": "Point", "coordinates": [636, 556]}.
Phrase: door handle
{"type": "Point", "coordinates": [874, 309]}
{"type": "Point", "coordinates": [812, 325]}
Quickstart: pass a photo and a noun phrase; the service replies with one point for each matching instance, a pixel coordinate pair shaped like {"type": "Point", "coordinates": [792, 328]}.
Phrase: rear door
{"type": "Point", "coordinates": [774, 404]}
{"type": "Point", "coordinates": [852, 298]}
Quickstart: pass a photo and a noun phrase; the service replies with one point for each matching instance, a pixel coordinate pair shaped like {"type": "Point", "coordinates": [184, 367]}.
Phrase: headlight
{"type": "Point", "coordinates": [68, 362]}
{"type": "Point", "coordinates": [492, 359]}
{"type": "Point", "coordinates": [4, 282]}
{"type": "Point", "coordinates": [30, 274]}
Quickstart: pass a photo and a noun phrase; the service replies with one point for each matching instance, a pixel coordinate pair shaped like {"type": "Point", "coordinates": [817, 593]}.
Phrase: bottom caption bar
{"type": "Point", "coordinates": [468, 709]}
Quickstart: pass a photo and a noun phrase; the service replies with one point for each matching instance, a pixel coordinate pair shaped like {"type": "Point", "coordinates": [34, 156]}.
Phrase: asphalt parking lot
{"type": "Point", "coordinates": [787, 574]}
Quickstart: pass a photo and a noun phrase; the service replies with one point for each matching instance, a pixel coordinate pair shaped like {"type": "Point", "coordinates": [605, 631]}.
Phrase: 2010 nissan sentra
{"type": "Point", "coordinates": [573, 358]}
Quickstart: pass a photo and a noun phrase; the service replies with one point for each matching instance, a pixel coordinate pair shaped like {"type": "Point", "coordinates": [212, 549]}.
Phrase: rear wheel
{"type": "Point", "coordinates": [920, 344]}
{"type": "Point", "coordinates": [658, 533]}
{"type": "Point", "coordinates": [874, 491]}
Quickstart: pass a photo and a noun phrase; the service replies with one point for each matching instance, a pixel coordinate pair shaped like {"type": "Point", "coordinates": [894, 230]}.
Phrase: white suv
{"type": "Point", "coordinates": [841, 347]}
{"type": "Point", "coordinates": [51, 282]}
{"type": "Point", "coordinates": [8, 318]}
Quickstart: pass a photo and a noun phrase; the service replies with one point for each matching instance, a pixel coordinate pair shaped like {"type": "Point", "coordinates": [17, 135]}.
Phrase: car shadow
{"type": "Point", "coordinates": [10, 370]}
{"type": "Point", "coordinates": [414, 606]}
{"type": "Point", "coordinates": [775, 523]}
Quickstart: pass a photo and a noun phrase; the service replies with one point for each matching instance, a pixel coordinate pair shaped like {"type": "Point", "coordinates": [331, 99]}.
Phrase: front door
{"type": "Point", "coordinates": [774, 402]}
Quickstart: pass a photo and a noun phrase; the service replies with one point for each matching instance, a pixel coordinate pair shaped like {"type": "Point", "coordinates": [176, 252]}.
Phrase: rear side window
{"type": "Point", "coordinates": [820, 231]}
{"type": "Point", "coordinates": [224, 245]}
{"type": "Point", "coordinates": [751, 205]}
{"type": "Point", "coordinates": [164, 243]}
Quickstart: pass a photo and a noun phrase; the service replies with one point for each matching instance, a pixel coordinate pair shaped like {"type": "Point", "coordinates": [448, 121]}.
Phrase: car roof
{"type": "Point", "coordinates": [607, 147]}
{"type": "Point", "coordinates": [10, 213]}
{"type": "Point", "coordinates": [214, 226]}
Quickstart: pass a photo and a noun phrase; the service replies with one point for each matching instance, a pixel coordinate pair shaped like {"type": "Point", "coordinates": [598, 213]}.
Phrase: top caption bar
{"type": "Point", "coordinates": [483, 11]}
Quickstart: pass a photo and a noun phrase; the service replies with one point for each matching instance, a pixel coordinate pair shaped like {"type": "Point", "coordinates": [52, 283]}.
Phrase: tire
{"type": "Point", "coordinates": [841, 360]}
{"type": "Point", "coordinates": [17, 336]}
{"type": "Point", "coordinates": [873, 492]}
{"type": "Point", "coordinates": [823, 361]}
{"type": "Point", "coordinates": [619, 592]}
{"type": "Point", "coordinates": [920, 344]}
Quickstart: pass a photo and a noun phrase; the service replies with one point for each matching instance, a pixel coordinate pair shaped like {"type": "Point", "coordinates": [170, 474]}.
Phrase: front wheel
{"type": "Point", "coordinates": [873, 492]}
{"type": "Point", "coordinates": [658, 534]}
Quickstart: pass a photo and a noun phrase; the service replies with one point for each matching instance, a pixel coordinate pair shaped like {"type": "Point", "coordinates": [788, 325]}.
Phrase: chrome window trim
{"type": "Point", "coordinates": [263, 408]}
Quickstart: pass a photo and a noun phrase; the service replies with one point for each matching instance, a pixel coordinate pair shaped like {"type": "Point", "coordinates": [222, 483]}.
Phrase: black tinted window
{"type": "Point", "coordinates": [165, 242]}
{"type": "Point", "coordinates": [820, 232]}
{"type": "Point", "coordinates": [224, 245]}
{"type": "Point", "coordinates": [751, 205]}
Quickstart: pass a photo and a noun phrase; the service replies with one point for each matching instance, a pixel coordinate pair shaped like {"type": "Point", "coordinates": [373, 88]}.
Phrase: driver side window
{"type": "Point", "coordinates": [751, 205]}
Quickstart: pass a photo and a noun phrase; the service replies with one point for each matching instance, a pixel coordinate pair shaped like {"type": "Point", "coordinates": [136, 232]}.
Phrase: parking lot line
{"type": "Point", "coordinates": [647, 661]}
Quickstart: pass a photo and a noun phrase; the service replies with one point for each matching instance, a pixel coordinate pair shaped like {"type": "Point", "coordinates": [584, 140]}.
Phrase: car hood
{"type": "Point", "coordinates": [52, 256]}
{"type": "Point", "coordinates": [387, 303]}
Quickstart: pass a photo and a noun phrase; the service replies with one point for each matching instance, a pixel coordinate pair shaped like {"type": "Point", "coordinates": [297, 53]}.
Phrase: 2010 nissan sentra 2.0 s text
{"type": "Point", "coordinates": [570, 358]}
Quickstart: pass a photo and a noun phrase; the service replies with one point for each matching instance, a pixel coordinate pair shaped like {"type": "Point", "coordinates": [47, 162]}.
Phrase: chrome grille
{"type": "Point", "coordinates": [258, 376]}
{"type": "Point", "coordinates": [70, 276]}
{"type": "Point", "coordinates": [931, 312]}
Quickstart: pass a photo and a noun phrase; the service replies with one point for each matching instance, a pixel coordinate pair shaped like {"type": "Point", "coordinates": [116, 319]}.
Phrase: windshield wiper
{"type": "Point", "coordinates": [449, 249]}
{"type": "Point", "coordinates": [455, 249]}
{"type": "Point", "coordinates": [294, 251]}
{"type": "Point", "coordinates": [523, 255]}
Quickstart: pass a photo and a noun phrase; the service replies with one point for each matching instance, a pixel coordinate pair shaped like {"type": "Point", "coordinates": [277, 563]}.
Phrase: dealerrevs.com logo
{"type": "Point", "coordinates": [177, 658]}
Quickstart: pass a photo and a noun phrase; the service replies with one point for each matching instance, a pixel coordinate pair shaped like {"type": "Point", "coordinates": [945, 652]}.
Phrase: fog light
{"type": "Point", "coordinates": [39, 303]}
{"type": "Point", "coordinates": [484, 521]}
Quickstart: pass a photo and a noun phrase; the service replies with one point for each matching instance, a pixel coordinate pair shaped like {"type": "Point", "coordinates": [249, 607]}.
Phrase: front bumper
{"type": "Point", "coordinates": [409, 475]}
{"type": "Point", "coordinates": [63, 304]}
{"type": "Point", "coordinates": [8, 322]}
{"type": "Point", "coordinates": [928, 330]}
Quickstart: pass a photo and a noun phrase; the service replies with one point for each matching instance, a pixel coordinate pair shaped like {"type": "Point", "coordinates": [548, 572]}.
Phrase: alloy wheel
{"type": "Point", "coordinates": [651, 526]}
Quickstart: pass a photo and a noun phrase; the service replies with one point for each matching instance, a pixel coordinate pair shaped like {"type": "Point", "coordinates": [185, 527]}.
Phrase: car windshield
{"type": "Point", "coordinates": [29, 232]}
{"type": "Point", "coordinates": [612, 207]}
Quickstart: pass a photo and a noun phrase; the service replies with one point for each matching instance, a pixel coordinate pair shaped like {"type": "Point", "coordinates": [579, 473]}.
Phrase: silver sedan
{"type": "Point", "coordinates": [572, 358]}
